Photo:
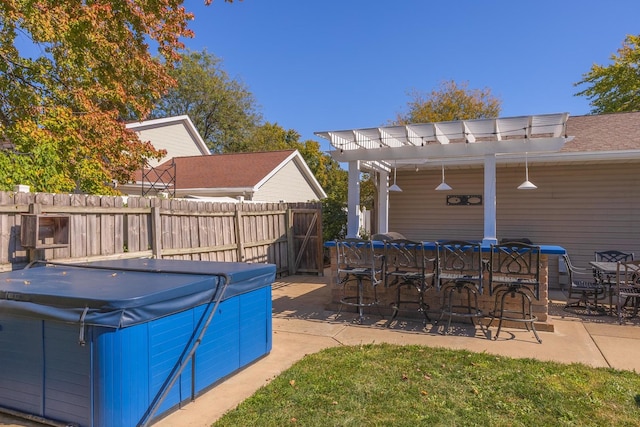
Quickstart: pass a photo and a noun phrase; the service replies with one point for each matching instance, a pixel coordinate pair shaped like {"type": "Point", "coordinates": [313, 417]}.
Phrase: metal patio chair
{"type": "Point", "coordinates": [584, 290]}
{"type": "Point", "coordinates": [360, 271]}
{"type": "Point", "coordinates": [514, 269]}
{"type": "Point", "coordinates": [411, 273]}
{"type": "Point", "coordinates": [627, 287]}
{"type": "Point", "coordinates": [608, 280]}
{"type": "Point", "coordinates": [459, 275]}
{"type": "Point", "coordinates": [613, 256]}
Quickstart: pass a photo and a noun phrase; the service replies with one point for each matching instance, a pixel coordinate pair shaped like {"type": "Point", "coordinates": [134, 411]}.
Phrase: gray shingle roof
{"type": "Point", "coordinates": [226, 170]}
{"type": "Point", "coordinates": [604, 132]}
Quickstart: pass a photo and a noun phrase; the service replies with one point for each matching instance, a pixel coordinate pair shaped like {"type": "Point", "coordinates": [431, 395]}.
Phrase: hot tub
{"type": "Point", "coordinates": [119, 343]}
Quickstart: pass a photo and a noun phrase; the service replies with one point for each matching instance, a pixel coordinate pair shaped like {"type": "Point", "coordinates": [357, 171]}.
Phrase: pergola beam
{"type": "Point", "coordinates": [451, 151]}
{"type": "Point", "coordinates": [463, 141]}
{"type": "Point", "coordinates": [467, 131]}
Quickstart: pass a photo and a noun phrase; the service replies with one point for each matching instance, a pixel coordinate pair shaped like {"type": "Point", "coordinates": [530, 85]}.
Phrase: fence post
{"type": "Point", "coordinates": [239, 232]}
{"type": "Point", "coordinates": [320, 256]}
{"type": "Point", "coordinates": [291, 253]}
{"type": "Point", "coordinates": [156, 232]}
{"type": "Point", "coordinates": [34, 254]}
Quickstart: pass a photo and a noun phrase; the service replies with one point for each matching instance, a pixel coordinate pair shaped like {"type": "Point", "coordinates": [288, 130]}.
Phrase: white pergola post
{"type": "Point", "coordinates": [353, 199]}
{"type": "Point", "coordinates": [383, 203]}
{"type": "Point", "coordinates": [490, 199]}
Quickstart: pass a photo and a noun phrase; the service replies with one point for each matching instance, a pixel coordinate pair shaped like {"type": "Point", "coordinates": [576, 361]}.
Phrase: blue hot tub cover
{"type": "Point", "coordinates": [123, 293]}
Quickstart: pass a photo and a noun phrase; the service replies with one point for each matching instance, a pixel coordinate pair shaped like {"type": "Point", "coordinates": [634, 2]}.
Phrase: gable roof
{"type": "Point", "coordinates": [241, 171]}
{"type": "Point", "coordinates": [165, 121]}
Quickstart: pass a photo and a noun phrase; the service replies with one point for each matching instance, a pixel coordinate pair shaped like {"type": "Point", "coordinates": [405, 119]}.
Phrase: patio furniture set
{"type": "Point", "coordinates": [454, 269]}
{"type": "Point", "coordinates": [610, 286]}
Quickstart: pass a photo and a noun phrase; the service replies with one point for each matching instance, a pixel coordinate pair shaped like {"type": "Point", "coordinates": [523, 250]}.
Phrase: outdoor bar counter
{"type": "Point", "coordinates": [432, 297]}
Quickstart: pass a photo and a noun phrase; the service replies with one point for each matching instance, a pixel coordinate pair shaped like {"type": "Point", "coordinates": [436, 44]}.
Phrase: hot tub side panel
{"type": "Point", "coordinates": [21, 361]}
{"type": "Point", "coordinates": [240, 333]}
{"type": "Point", "coordinates": [219, 353]}
{"type": "Point", "coordinates": [255, 325]}
{"type": "Point", "coordinates": [43, 369]}
{"type": "Point", "coordinates": [132, 364]}
{"type": "Point", "coordinates": [67, 372]}
{"type": "Point", "coordinates": [121, 374]}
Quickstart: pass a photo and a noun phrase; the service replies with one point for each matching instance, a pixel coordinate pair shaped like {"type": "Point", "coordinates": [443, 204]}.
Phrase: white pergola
{"type": "Point", "coordinates": [464, 141]}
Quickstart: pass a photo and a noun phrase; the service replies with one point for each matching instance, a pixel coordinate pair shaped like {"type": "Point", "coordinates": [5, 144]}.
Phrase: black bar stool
{"type": "Point", "coordinates": [514, 269]}
{"type": "Point", "coordinates": [459, 271]}
{"type": "Point", "coordinates": [360, 271]}
{"type": "Point", "coordinates": [411, 272]}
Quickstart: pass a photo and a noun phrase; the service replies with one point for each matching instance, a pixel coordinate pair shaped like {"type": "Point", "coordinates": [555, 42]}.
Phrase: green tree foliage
{"type": "Point", "coordinates": [269, 137]}
{"type": "Point", "coordinates": [222, 109]}
{"type": "Point", "coordinates": [70, 72]}
{"type": "Point", "coordinates": [615, 87]}
{"type": "Point", "coordinates": [368, 191]}
{"type": "Point", "coordinates": [334, 219]}
{"type": "Point", "coordinates": [451, 101]}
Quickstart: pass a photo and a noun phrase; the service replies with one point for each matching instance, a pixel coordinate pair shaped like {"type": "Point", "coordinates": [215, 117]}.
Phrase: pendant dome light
{"type": "Point", "coordinates": [526, 185]}
{"type": "Point", "coordinates": [443, 185]}
{"type": "Point", "coordinates": [394, 187]}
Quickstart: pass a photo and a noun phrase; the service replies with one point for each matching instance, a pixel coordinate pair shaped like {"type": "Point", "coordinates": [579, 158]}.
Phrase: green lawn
{"type": "Point", "coordinates": [388, 385]}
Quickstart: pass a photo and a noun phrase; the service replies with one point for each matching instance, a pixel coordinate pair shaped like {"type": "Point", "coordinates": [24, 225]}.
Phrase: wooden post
{"type": "Point", "coordinates": [239, 232]}
{"type": "Point", "coordinates": [34, 254]}
{"type": "Point", "coordinates": [320, 243]}
{"type": "Point", "coordinates": [291, 254]}
{"type": "Point", "coordinates": [156, 232]}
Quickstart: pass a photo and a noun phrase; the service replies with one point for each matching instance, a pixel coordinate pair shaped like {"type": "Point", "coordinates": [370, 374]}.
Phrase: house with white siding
{"type": "Point", "coordinates": [177, 135]}
{"type": "Point", "coordinates": [190, 170]}
{"type": "Point", "coordinates": [269, 176]}
{"type": "Point", "coordinates": [587, 197]}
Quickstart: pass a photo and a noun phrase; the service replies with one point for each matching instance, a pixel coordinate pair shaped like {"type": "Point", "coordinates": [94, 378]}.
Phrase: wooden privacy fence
{"type": "Point", "coordinates": [288, 235]}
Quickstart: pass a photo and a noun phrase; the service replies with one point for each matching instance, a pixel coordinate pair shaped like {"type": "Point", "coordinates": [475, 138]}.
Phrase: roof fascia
{"type": "Point", "coordinates": [581, 156]}
{"type": "Point", "coordinates": [226, 190]}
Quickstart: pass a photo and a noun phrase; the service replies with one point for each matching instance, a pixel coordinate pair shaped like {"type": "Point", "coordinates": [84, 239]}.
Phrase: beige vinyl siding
{"type": "Point", "coordinates": [421, 213]}
{"type": "Point", "coordinates": [288, 185]}
{"type": "Point", "coordinates": [583, 208]}
{"type": "Point", "coordinates": [172, 137]}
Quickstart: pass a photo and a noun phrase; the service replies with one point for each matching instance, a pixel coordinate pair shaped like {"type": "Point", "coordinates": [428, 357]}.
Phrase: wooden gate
{"type": "Point", "coordinates": [305, 244]}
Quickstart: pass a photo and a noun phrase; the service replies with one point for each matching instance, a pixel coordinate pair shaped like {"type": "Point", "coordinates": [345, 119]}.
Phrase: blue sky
{"type": "Point", "coordinates": [344, 64]}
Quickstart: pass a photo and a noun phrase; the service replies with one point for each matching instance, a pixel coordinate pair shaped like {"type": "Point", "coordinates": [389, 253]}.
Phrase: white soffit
{"type": "Point", "coordinates": [457, 139]}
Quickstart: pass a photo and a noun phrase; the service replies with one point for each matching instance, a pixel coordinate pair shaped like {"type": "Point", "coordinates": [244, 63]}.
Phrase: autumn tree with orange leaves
{"type": "Point", "coordinates": [71, 73]}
